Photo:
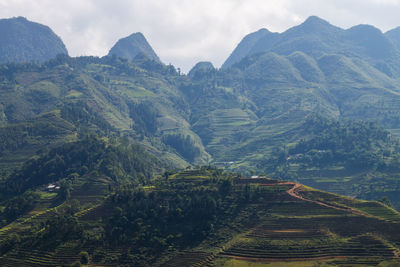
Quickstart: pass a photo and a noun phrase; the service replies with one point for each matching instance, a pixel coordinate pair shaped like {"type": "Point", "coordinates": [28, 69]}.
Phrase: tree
{"type": "Point", "coordinates": [84, 257]}
{"type": "Point", "coordinates": [386, 201]}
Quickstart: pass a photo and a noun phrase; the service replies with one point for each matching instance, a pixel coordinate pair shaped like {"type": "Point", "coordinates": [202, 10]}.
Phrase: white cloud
{"type": "Point", "coordinates": [386, 2]}
{"type": "Point", "coordinates": [183, 32]}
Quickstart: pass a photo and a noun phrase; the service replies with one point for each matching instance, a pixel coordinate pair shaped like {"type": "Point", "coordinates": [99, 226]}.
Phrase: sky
{"type": "Point", "coordinates": [184, 32]}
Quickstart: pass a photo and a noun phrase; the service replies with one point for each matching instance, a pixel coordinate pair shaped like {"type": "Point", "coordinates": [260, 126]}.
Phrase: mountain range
{"type": "Point", "coordinates": [316, 37]}
{"type": "Point", "coordinates": [261, 100]}
{"type": "Point", "coordinates": [316, 104]}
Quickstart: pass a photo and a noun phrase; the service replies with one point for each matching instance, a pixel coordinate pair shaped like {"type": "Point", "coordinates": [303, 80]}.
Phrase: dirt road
{"type": "Point", "coordinates": [294, 192]}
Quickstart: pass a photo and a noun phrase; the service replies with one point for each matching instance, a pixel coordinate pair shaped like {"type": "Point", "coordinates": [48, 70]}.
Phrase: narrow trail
{"type": "Point", "coordinates": [294, 192]}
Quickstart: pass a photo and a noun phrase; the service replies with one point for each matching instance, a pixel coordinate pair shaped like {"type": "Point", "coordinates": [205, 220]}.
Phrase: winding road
{"type": "Point", "coordinates": [294, 192]}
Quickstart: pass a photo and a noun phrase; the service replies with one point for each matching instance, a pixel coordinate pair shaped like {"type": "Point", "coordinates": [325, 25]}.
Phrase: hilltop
{"type": "Point", "coordinates": [135, 45]}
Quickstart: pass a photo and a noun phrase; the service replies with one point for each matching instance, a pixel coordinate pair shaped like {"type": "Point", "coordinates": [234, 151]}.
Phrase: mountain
{"type": "Point", "coordinates": [201, 69]}
{"type": "Point", "coordinates": [246, 45]}
{"type": "Point", "coordinates": [24, 41]}
{"type": "Point", "coordinates": [66, 98]}
{"type": "Point", "coordinates": [247, 115]}
{"type": "Point", "coordinates": [264, 102]}
{"type": "Point", "coordinates": [317, 37]}
{"type": "Point", "coordinates": [132, 46]}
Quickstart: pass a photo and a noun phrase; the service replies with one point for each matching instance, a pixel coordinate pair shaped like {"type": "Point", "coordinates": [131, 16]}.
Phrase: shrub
{"type": "Point", "coordinates": [84, 257]}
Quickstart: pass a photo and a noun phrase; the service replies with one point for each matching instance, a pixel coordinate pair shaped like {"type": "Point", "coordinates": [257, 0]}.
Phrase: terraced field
{"type": "Point", "coordinates": [283, 224]}
{"type": "Point", "coordinates": [284, 243]}
{"type": "Point", "coordinates": [191, 258]}
{"type": "Point", "coordinates": [301, 226]}
{"type": "Point", "coordinates": [331, 232]}
{"type": "Point", "coordinates": [88, 192]}
{"type": "Point", "coordinates": [224, 125]}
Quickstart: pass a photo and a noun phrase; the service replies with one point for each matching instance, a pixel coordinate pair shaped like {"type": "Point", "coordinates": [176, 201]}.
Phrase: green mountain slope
{"type": "Point", "coordinates": [261, 104]}
{"type": "Point", "coordinates": [106, 96]}
{"type": "Point", "coordinates": [89, 155]}
{"type": "Point", "coordinates": [347, 158]}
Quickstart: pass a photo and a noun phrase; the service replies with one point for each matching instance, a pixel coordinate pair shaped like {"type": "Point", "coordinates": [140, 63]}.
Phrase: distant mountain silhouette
{"type": "Point", "coordinates": [200, 69]}
{"type": "Point", "coordinates": [132, 46]}
{"type": "Point", "coordinates": [316, 37]}
{"type": "Point", "coordinates": [22, 41]}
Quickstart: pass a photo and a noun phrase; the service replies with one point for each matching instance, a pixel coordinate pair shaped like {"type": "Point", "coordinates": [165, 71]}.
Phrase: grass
{"type": "Point", "coordinates": [380, 210]}
{"type": "Point", "coordinates": [74, 93]}
{"type": "Point", "coordinates": [46, 87]}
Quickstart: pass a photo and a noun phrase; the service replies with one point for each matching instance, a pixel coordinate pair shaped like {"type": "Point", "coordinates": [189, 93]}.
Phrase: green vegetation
{"type": "Point", "coordinates": [91, 155]}
{"type": "Point", "coordinates": [203, 216]}
{"type": "Point", "coordinates": [184, 145]}
{"type": "Point", "coordinates": [90, 148]}
{"type": "Point", "coordinates": [348, 158]}
{"type": "Point", "coordinates": [252, 114]}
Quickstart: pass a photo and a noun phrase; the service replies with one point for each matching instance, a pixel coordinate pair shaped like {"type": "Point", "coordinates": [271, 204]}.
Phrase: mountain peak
{"type": "Point", "coordinates": [136, 35]}
{"type": "Point", "coordinates": [392, 31]}
{"type": "Point", "coordinates": [313, 26]}
{"type": "Point", "coordinates": [20, 18]}
{"type": "Point", "coordinates": [133, 45]}
{"type": "Point", "coordinates": [365, 28]}
{"type": "Point", "coordinates": [262, 31]}
{"type": "Point", "coordinates": [201, 68]}
{"type": "Point", "coordinates": [370, 41]}
{"type": "Point", "coordinates": [245, 46]}
{"type": "Point", "coordinates": [204, 65]}
{"type": "Point", "coordinates": [315, 23]}
{"type": "Point", "coordinates": [315, 19]}
{"type": "Point", "coordinates": [23, 40]}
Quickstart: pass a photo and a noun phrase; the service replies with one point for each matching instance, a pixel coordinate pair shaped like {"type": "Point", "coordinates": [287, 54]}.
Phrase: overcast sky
{"type": "Point", "coordinates": [183, 32]}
